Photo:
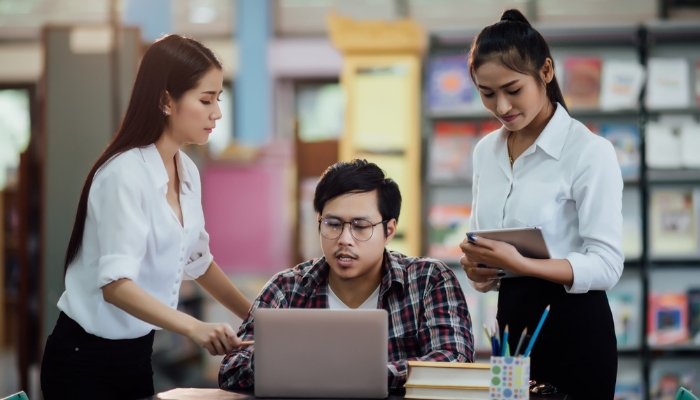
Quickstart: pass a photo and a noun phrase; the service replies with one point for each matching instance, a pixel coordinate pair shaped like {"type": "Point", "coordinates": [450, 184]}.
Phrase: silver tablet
{"type": "Point", "coordinates": [528, 241]}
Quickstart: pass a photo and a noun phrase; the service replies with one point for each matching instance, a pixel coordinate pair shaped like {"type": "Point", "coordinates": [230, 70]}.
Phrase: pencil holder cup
{"type": "Point", "coordinates": [510, 378]}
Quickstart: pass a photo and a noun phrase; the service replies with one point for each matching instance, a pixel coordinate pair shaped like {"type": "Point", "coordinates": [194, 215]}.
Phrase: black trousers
{"type": "Point", "coordinates": [78, 365]}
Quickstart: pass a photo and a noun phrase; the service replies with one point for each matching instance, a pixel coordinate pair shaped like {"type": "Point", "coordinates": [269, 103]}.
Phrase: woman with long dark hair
{"type": "Point", "coordinates": [139, 230]}
{"type": "Point", "coordinates": [544, 168]}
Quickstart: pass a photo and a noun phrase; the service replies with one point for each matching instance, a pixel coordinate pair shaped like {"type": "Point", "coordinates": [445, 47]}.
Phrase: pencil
{"type": "Point", "coordinates": [520, 342]}
{"type": "Point", "coordinates": [504, 347]}
{"type": "Point", "coordinates": [537, 332]}
{"type": "Point", "coordinates": [247, 343]}
{"type": "Point", "coordinates": [486, 332]}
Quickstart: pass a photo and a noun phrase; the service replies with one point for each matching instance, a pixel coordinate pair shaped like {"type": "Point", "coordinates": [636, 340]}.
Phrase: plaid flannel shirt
{"type": "Point", "coordinates": [428, 315]}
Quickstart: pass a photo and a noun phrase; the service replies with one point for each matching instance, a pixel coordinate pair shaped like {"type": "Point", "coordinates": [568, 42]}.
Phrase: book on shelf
{"type": "Point", "coordinates": [621, 83]}
{"type": "Point", "coordinates": [667, 378]}
{"type": "Point", "coordinates": [668, 318]}
{"type": "Point", "coordinates": [625, 138]}
{"type": "Point", "coordinates": [628, 391]}
{"type": "Point", "coordinates": [447, 380]}
{"type": "Point", "coordinates": [694, 315]}
{"type": "Point", "coordinates": [447, 225]}
{"type": "Point", "coordinates": [673, 222]}
{"type": "Point", "coordinates": [689, 137]}
{"type": "Point", "coordinates": [625, 307]}
{"type": "Point", "coordinates": [668, 83]}
{"type": "Point", "coordinates": [663, 146]}
{"type": "Point", "coordinates": [450, 154]}
{"type": "Point", "coordinates": [581, 88]}
{"type": "Point", "coordinates": [450, 88]}
{"type": "Point", "coordinates": [631, 223]}
{"type": "Point", "coordinates": [697, 82]}
{"type": "Point", "coordinates": [488, 126]}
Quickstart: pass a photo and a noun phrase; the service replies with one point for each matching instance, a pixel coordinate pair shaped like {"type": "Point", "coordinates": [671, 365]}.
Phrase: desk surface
{"type": "Point", "coordinates": [217, 394]}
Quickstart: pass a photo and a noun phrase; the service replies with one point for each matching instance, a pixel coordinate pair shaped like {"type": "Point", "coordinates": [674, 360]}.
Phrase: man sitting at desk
{"type": "Point", "coordinates": [428, 315]}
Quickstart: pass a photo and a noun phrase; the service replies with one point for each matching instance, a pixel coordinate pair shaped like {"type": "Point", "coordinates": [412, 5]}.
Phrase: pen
{"type": "Point", "coordinates": [537, 332]}
{"type": "Point", "coordinates": [497, 339]}
{"type": "Point", "coordinates": [486, 332]}
{"type": "Point", "coordinates": [504, 348]}
{"type": "Point", "coordinates": [520, 342]}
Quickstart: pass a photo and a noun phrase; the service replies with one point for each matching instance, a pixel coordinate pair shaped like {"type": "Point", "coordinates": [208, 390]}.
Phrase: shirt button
{"type": "Point", "coordinates": [174, 292]}
{"type": "Point", "coordinates": [182, 259]}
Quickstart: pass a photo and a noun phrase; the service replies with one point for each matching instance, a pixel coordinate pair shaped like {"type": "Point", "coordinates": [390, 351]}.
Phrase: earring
{"type": "Point", "coordinates": [166, 113]}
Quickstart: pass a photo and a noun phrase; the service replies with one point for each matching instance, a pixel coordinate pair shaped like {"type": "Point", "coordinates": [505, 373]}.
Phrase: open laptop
{"type": "Point", "coordinates": [316, 353]}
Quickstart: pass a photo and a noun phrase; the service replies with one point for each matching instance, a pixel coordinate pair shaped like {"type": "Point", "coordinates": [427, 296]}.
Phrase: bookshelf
{"type": "Point", "coordinates": [452, 104]}
{"type": "Point", "coordinates": [672, 186]}
{"type": "Point", "coordinates": [381, 79]}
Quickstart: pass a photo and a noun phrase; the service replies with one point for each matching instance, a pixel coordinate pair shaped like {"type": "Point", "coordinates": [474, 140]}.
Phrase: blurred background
{"type": "Point", "coordinates": [311, 82]}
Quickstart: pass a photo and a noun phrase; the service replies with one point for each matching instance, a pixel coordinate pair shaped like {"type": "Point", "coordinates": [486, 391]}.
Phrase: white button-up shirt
{"type": "Point", "coordinates": [132, 232]}
{"type": "Point", "coordinates": [569, 183]}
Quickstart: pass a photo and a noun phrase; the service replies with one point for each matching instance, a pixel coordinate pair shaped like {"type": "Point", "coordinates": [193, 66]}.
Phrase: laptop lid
{"type": "Point", "coordinates": [321, 353]}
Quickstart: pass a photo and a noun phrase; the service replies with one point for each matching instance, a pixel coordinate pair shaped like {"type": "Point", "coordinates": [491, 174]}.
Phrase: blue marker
{"type": "Point", "coordinates": [537, 332]}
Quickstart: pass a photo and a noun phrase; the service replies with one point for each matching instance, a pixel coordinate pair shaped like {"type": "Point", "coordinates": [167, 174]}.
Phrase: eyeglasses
{"type": "Point", "coordinates": [360, 228]}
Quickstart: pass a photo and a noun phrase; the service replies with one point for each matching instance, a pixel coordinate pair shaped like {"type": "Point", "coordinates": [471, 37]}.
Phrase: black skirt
{"type": "Point", "coordinates": [576, 350]}
{"type": "Point", "coordinates": [78, 365]}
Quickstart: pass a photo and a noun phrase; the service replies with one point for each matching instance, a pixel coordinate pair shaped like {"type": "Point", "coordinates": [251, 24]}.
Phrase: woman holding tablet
{"type": "Point", "coordinates": [543, 168]}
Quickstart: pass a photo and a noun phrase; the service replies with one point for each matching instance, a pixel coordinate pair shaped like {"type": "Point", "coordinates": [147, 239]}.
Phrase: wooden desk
{"type": "Point", "coordinates": [217, 394]}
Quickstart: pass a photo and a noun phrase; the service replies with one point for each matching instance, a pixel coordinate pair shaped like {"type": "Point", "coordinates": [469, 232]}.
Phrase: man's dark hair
{"type": "Point", "coordinates": [359, 176]}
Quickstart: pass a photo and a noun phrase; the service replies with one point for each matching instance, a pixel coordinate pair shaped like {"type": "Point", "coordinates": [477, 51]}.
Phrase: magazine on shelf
{"type": "Point", "coordinates": [450, 153]}
{"type": "Point", "coordinates": [581, 87]}
{"type": "Point", "coordinates": [625, 138]}
{"type": "Point", "coordinates": [697, 82]}
{"type": "Point", "coordinates": [673, 222]}
{"type": "Point", "coordinates": [450, 88]}
{"type": "Point", "coordinates": [689, 137]}
{"type": "Point", "coordinates": [668, 83]}
{"type": "Point", "coordinates": [625, 307]}
{"type": "Point", "coordinates": [621, 84]}
{"type": "Point", "coordinates": [694, 315]}
{"type": "Point", "coordinates": [446, 226]}
{"type": "Point", "coordinates": [663, 146]}
{"type": "Point", "coordinates": [668, 318]}
{"type": "Point", "coordinates": [631, 223]}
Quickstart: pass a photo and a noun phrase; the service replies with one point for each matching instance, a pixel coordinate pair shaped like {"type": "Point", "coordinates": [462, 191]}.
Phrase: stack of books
{"type": "Point", "coordinates": [447, 380]}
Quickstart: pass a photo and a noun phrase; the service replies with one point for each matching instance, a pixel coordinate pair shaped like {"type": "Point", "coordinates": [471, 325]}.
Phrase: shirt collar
{"type": "Point", "coordinates": [159, 175]}
{"type": "Point", "coordinates": [551, 140]}
{"type": "Point", "coordinates": [183, 172]}
{"type": "Point", "coordinates": [553, 136]}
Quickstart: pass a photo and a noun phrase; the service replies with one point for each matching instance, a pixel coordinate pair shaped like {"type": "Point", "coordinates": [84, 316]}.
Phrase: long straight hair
{"type": "Point", "coordinates": [171, 66]}
{"type": "Point", "coordinates": [518, 46]}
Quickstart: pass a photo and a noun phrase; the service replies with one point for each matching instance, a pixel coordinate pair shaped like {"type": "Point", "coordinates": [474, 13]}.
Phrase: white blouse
{"type": "Point", "coordinates": [132, 232]}
{"type": "Point", "coordinates": [569, 183]}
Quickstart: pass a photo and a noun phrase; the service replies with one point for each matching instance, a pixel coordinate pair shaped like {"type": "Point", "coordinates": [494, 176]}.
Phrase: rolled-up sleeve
{"type": "Point", "coordinates": [200, 257]}
{"type": "Point", "coordinates": [122, 227]}
{"type": "Point", "coordinates": [597, 190]}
